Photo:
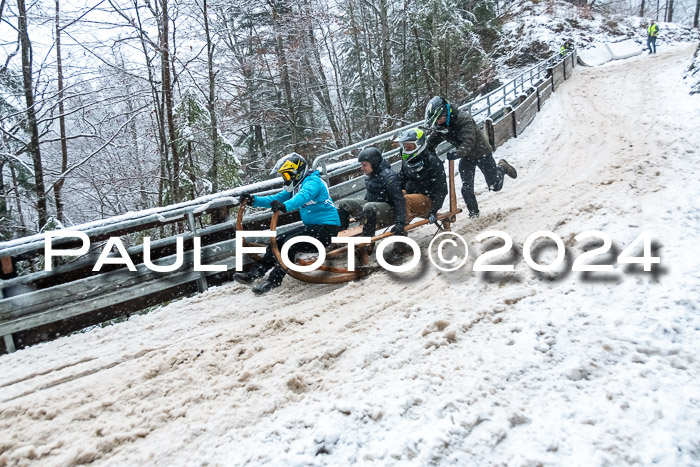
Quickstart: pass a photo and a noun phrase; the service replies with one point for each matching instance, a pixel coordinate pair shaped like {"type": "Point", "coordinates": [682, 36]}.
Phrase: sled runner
{"type": "Point", "coordinates": [327, 274]}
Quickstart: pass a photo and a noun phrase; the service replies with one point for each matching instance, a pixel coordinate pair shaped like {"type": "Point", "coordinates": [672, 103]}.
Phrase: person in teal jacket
{"type": "Point", "coordinates": [305, 191]}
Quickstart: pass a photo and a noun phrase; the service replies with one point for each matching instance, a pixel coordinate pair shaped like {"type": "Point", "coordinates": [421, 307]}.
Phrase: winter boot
{"type": "Point", "coordinates": [508, 169]}
{"type": "Point", "coordinates": [247, 278]}
{"type": "Point", "coordinates": [401, 249]}
{"type": "Point", "coordinates": [344, 219]}
{"type": "Point", "coordinates": [368, 220]}
{"type": "Point", "coordinates": [473, 214]}
{"type": "Point", "coordinates": [264, 287]}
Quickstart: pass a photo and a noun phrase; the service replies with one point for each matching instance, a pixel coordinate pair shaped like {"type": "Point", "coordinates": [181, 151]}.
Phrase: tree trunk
{"type": "Point", "coordinates": [669, 16]}
{"type": "Point", "coordinates": [366, 27]}
{"type": "Point", "coordinates": [358, 49]}
{"type": "Point", "coordinates": [697, 14]}
{"type": "Point", "coordinates": [423, 66]}
{"type": "Point", "coordinates": [320, 84]}
{"type": "Point", "coordinates": [436, 50]}
{"type": "Point", "coordinates": [133, 131]}
{"type": "Point", "coordinates": [641, 9]}
{"type": "Point", "coordinates": [340, 95]}
{"type": "Point", "coordinates": [18, 201]}
{"type": "Point", "coordinates": [386, 57]}
{"type": "Point", "coordinates": [33, 148]}
{"type": "Point", "coordinates": [168, 93]}
{"type": "Point", "coordinates": [2, 8]}
{"type": "Point", "coordinates": [286, 85]}
{"type": "Point", "coordinates": [58, 184]}
{"type": "Point", "coordinates": [4, 212]}
{"type": "Point", "coordinates": [259, 141]}
{"type": "Point", "coordinates": [214, 132]}
{"type": "Point", "coordinates": [159, 124]}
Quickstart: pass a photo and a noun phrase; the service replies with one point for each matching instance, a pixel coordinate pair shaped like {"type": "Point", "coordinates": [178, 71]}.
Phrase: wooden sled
{"type": "Point", "coordinates": [326, 274]}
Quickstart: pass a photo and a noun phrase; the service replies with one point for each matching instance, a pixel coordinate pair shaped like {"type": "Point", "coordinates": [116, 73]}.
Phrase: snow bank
{"type": "Point", "coordinates": [623, 49]}
{"type": "Point", "coordinates": [603, 53]}
{"type": "Point", "coordinates": [596, 56]}
{"type": "Point", "coordinates": [693, 74]}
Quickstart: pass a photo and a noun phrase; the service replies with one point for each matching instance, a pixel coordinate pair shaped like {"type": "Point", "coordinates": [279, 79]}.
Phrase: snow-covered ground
{"type": "Point", "coordinates": [455, 368]}
{"type": "Point", "coordinates": [535, 29]}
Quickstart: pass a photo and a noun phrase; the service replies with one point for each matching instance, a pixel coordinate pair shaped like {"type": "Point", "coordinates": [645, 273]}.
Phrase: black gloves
{"type": "Point", "coordinates": [452, 155]}
{"type": "Point", "coordinates": [432, 218]}
{"type": "Point", "coordinates": [278, 206]}
{"type": "Point", "coordinates": [397, 229]}
{"type": "Point", "coordinates": [247, 197]}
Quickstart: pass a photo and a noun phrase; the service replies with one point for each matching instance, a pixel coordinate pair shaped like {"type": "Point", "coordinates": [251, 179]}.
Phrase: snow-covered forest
{"type": "Point", "coordinates": [110, 106]}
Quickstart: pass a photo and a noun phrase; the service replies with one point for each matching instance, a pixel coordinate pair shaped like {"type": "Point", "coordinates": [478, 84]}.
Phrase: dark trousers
{"type": "Point", "coordinates": [323, 233]}
{"type": "Point", "coordinates": [493, 175]}
{"type": "Point", "coordinates": [651, 42]}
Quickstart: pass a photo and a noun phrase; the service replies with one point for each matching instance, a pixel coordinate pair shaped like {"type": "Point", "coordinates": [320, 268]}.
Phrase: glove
{"type": "Point", "coordinates": [397, 229]}
{"type": "Point", "coordinates": [452, 155]}
{"type": "Point", "coordinates": [247, 197]}
{"type": "Point", "coordinates": [432, 218]}
{"type": "Point", "coordinates": [277, 205]}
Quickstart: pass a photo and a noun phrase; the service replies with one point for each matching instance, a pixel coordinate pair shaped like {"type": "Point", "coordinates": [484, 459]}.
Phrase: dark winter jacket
{"type": "Point", "coordinates": [464, 135]}
{"type": "Point", "coordinates": [429, 181]}
{"type": "Point", "coordinates": [384, 186]}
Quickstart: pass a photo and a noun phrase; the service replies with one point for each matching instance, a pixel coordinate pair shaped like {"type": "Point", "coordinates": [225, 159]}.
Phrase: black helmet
{"type": "Point", "coordinates": [412, 146]}
{"type": "Point", "coordinates": [371, 155]}
{"type": "Point", "coordinates": [293, 168]}
{"type": "Point", "coordinates": [436, 108]}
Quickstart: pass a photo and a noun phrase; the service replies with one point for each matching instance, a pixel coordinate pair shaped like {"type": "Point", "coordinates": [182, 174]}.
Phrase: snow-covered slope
{"type": "Point", "coordinates": [431, 368]}
{"type": "Point", "coordinates": [693, 74]}
{"type": "Point", "coordinates": [533, 30]}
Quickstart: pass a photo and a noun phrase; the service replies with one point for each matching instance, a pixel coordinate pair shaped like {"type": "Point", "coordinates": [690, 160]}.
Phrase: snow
{"type": "Point", "coordinates": [539, 29]}
{"type": "Point", "coordinates": [693, 74]}
{"type": "Point", "coordinates": [429, 367]}
{"type": "Point", "coordinates": [596, 56]}
{"type": "Point", "coordinates": [623, 49]}
{"type": "Point", "coordinates": [603, 53]}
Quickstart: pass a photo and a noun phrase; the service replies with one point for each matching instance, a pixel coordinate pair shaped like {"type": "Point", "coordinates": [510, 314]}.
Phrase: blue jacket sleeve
{"type": "Point", "coordinates": [266, 201]}
{"type": "Point", "coordinates": [308, 192]}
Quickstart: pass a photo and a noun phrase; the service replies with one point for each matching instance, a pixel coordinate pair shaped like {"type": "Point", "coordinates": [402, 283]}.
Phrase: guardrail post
{"type": "Point", "coordinates": [325, 172]}
{"type": "Point", "coordinates": [564, 67]}
{"type": "Point", "coordinates": [488, 123]}
{"type": "Point", "coordinates": [202, 281]}
{"type": "Point", "coordinates": [9, 343]}
{"type": "Point", "coordinates": [6, 265]}
{"type": "Point", "coordinates": [515, 104]}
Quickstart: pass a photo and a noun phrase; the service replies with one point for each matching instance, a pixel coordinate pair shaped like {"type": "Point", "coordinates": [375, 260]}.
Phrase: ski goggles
{"type": "Point", "coordinates": [407, 149]}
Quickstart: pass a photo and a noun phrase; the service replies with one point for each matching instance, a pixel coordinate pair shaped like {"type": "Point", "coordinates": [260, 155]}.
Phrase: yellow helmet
{"type": "Point", "coordinates": [293, 168]}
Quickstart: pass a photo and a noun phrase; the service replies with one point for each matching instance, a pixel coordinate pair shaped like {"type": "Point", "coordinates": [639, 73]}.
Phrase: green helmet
{"type": "Point", "coordinates": [413, 144]}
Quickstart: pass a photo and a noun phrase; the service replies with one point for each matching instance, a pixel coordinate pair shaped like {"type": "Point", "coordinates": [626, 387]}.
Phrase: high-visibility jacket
{"type": "Point", "coordinates": [653, 30]}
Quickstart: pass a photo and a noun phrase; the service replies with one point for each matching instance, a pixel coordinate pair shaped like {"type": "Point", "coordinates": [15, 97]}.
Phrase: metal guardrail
{"type": "Point", "coordinates": [67, 297]}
